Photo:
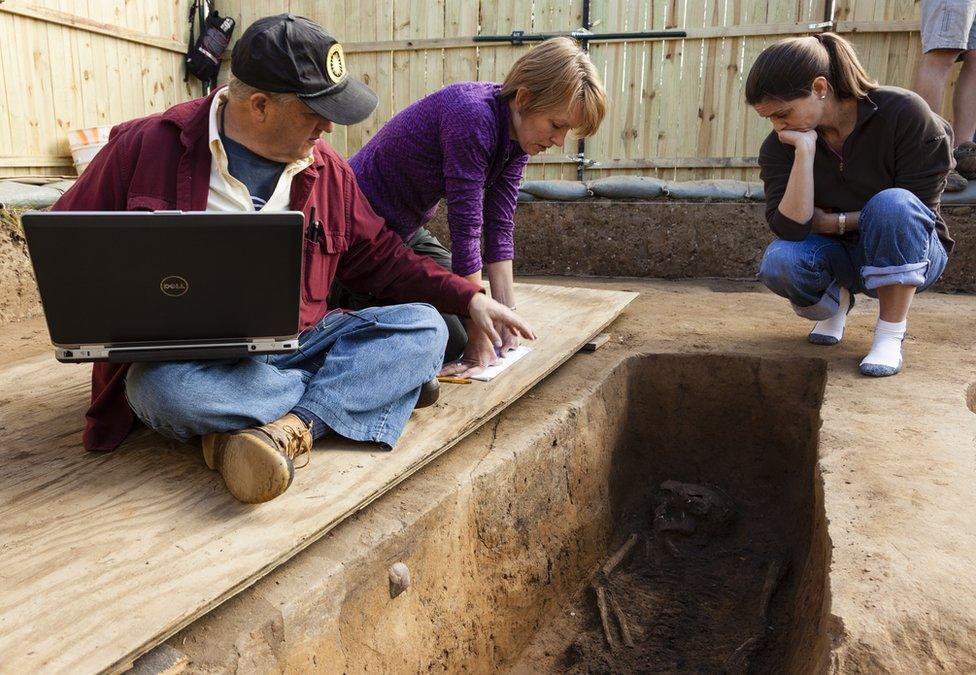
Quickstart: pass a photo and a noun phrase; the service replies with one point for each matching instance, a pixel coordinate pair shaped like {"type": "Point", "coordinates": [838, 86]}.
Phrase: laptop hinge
{"type": "Point", "coordinates": [85, 353]}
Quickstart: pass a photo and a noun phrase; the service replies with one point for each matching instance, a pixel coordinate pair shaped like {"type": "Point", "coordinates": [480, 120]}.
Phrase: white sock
{"type": "Point", "coordinates": [830, 331]}
{"type": "Point", "coordinates": [885, 356]}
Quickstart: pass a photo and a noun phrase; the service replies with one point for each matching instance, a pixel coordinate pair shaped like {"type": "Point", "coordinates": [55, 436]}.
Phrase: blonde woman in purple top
{"type": "Point", "coordinates": [468, 144]}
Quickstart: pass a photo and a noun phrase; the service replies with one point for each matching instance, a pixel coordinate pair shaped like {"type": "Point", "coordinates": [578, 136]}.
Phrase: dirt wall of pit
{"type": "Point", "coordinates": [18, 292]}
{"type": "Point", "coordinates": [589, 238]}
{"type": "Point", "coordinates": [673, 240]}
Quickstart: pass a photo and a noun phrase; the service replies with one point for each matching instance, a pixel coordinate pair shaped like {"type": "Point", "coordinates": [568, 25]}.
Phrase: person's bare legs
{"type": "Point", "coordinates": [932, 75]}
{"type": "Point", "coordinates": [895, 301]}
{"type": "Point", "coordinates": [964, 101]}
{"type": "Point", "coordinates": [930, 84]}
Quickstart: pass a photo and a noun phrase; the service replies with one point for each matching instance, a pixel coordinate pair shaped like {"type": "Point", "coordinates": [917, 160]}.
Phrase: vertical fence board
{"type": "Point", "coordinates": [460, 20]}
{"type": "Point", "coordinates": [673, 99]}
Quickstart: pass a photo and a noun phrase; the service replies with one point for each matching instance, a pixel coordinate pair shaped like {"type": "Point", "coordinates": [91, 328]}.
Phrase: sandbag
{"type": "Point", "coordinates": [556, 190]}
{"type": "Point", "coordinates": [61, 186]}
{"type": "Point", "coordinates": [756, 191]}
{"type": "Point", "coordinates": [525, 197]}
{"type": "Point", "coordinates": [627, 187]}
{"type": "Point", "coordinates": [22, 196]}
{"type": "Point", "coordinates": [965, 196]}
{"type": "Point", "coordinates": [707, 189]}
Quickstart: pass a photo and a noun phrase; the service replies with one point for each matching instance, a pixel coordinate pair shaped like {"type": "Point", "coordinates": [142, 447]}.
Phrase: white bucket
{"type": "Point", "coordinates": [85, 144]}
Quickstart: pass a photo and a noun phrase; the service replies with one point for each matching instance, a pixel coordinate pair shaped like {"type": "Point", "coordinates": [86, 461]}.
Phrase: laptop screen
{"type": "Point", "coordinates": [137, 277]}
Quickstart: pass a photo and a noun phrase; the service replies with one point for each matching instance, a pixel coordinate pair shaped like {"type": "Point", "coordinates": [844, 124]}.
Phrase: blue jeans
{"type": "Point", "coordinates": [898, 245]}
{"type": "Point", "coordinates": [360, 372]}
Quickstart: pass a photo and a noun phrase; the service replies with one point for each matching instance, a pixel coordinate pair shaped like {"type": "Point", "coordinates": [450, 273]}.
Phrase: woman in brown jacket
{"type": "Point", "coordinates": [853, 174]}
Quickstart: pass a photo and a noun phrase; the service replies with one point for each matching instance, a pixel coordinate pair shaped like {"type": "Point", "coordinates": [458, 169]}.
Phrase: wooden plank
{"type": "Point", "coordinates": [596, 342]}
{"type": "Point", "coordinates": [784, 28]}
{"type": "Point", "coordinates": [66, 92]}
{"type": "Point", "coordinates": [638, 19]}
{"type": "Point", "coordinates": [655, 94]}
{"type": "Point", "coordinates": [106, 555]}
{"type": "Point", "coordinates": [690, 92]}
{"type": "Point", "coordinates": [613, 60]}
{"type": "Point", "coordinates": [416, 73]}
{"type": "Point", "coordinates": [104, 91]}
{"type": "Point", "coordinates": [670, 173]}
{"type": "Point", "coordinates": [45, 103]}
{"type": "Point", "coordinates": [367, 21]}
{"type": "Point", "coordinates": [357, 64]}
{"type": "Point", "coordinates": [402, 26]}
{"type": "Point", "coordinates": [119, 32]}
{"type": "Point", "coordinates": [20, 88]}
{"type": "Point", "coordinates": [6, 67]}
{"type": "Point", "coordinates": [34, 161]}
{"type": "Point", "coordinates": [34, 173]}
{"type": "Point", "coordinates": [669, 130]}
{"type": "Point", "coordinates": [509, 15]}
{"type": "Point", "coordinates": [709, 110]}
{"type": "Point", "coordinates": [163, 660]}
{"type": "Point", "coordinates": [154, 61]}
{"type": "Point", "coordinates": [434, 58]}
{"type": "Point", "coordinates": [911, 26]}
{"type": "Point", "coordinates": [460, 18]}
{"type": "Point", "coordinates": [680, 162]}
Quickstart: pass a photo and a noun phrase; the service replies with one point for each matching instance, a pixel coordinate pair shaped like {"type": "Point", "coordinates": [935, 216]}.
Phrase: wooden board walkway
{"type": "Point", "coordinates": [103, 556]}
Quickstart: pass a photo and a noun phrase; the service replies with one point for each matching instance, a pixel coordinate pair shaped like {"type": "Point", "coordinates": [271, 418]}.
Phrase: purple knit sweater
{"type": "Point", "coordinates": [453, 145]}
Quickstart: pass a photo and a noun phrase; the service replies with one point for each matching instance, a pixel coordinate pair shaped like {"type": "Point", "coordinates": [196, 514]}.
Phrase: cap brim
{"type": "Point", "coordinates": [352, 105]}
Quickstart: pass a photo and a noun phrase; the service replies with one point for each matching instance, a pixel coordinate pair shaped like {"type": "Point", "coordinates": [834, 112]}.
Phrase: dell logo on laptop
{"type": "Point", "coordinates": [174, 286]}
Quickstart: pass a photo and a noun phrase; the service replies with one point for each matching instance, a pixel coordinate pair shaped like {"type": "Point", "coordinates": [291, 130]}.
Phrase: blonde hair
{"type": "Point", "coordinates": [558, 75]}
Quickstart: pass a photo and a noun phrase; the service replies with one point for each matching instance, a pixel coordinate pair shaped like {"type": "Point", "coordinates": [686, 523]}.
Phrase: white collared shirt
{"type": "Point", "coordinates": [229, 194]}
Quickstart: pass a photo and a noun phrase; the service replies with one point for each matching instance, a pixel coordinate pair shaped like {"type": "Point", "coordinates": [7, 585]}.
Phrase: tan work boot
{"type": "Point", "coordinates": [256, 463]}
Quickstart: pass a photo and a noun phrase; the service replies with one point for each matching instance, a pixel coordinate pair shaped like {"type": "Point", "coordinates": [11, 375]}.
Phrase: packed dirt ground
{"type": "Point", "coordinates": [895, 455]}
{"type": "Point", "coordinates": [495, 541]}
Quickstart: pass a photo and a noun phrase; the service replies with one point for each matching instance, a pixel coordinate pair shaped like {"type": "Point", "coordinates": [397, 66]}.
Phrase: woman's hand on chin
{"type": "Point", "coordinates": [798, 139]}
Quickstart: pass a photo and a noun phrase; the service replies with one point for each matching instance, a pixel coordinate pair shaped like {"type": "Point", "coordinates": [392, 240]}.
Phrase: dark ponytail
{"type": "Point", "coordinates": [786, 69]}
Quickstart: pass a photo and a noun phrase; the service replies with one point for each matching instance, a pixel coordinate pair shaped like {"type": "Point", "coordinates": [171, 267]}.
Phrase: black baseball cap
{"type": "Point", "coordinates": [289, 54]}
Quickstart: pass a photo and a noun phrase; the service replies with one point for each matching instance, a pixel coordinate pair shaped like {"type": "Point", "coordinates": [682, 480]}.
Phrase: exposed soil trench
{"type": "Point", "coordinates": [727, 569]}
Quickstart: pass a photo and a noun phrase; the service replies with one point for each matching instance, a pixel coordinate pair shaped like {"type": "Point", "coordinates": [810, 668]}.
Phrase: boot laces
{"type": "Point", "coordinates": [296, 443]}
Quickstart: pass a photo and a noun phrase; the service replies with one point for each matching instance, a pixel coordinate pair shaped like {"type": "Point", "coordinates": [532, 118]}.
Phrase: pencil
{"type": "Point", "coordinates": [454, 380]}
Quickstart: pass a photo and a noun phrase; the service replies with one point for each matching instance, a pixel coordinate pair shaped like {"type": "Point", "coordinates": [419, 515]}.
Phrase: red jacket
{"type": "Point", "coordinates": [163, 162]}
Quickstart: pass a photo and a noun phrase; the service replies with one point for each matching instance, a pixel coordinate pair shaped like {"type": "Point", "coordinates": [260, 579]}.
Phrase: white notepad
{"type": "Point", "coordinates": [507, 362]}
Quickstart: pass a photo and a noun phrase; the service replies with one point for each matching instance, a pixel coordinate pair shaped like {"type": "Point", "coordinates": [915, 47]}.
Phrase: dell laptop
{"type": "Point", "coordinates": [151, 286]}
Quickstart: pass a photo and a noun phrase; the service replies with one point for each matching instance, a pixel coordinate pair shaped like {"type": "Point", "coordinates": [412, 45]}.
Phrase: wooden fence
{"type": "Point", "coordinates": [677, 104]}
{"type": "Point", "coordinates": [68, 64]}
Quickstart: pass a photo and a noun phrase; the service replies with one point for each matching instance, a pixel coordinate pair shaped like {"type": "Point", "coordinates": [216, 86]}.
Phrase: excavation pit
{"type": "Point", "coordinates": [732, 586]}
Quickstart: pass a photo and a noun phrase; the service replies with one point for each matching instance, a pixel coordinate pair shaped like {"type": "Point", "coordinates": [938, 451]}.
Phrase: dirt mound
{"type": "Point", "coordinates": [18, 291]}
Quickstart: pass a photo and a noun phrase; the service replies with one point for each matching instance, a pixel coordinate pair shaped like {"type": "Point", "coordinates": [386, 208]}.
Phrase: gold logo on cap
{"type": "Point", "coordinates": [335, 63]}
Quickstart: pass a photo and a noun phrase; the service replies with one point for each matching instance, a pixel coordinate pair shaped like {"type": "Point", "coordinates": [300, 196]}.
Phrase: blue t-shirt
{"type": "Point", "coordinates": [259, 175]}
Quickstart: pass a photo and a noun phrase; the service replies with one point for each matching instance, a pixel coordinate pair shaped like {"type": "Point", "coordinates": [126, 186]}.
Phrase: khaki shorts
{"type": "Point", "coordinates": [948, 24]}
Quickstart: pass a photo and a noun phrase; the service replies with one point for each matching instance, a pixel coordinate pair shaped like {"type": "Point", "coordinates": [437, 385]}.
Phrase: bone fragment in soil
{"type": "Point", "coordinates": [621, 554]}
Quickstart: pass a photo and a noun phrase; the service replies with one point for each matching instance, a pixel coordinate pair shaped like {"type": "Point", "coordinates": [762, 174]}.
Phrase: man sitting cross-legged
{"type": "Point", "coordinates": [255, 145]}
